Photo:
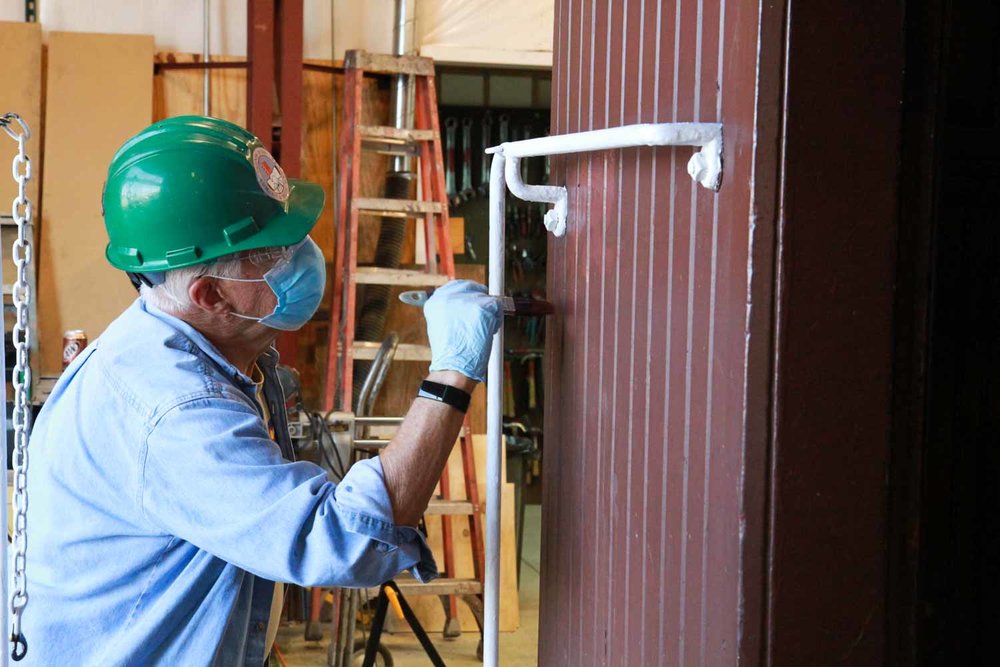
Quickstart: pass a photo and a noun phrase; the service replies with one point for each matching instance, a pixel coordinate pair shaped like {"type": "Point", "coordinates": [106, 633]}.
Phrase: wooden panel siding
{"type": "Point", "coordinates": [642, 502]}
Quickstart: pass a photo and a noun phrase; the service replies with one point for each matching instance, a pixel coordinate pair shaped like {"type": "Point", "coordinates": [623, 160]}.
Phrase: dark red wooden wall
{"type": "Point", "coordinates": [642, 496]}
{"type": "Point", "coordinates": [719, 376]}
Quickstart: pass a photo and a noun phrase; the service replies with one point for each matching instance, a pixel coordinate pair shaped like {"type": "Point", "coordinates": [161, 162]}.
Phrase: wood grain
{"type": "Point", "coordinates": [99, 93]}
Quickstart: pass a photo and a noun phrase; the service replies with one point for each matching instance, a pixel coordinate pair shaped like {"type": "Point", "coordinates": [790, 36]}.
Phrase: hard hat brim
{"type": "Point", "coordinates": [302, 211]}
{"type": "Point", "coordinates": [305, 203]}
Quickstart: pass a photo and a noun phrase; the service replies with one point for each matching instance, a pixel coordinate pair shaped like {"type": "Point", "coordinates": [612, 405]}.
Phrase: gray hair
{"type": "Point", "coordinates": [172, 294]}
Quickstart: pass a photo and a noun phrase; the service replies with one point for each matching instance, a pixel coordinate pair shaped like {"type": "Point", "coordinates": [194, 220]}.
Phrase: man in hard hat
{"type": "Point", "coordinates": [164, 503]}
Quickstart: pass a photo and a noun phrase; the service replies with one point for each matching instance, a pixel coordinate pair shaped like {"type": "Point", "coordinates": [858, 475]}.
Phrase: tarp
{"type": "Point", "coordinates": [498, 32]}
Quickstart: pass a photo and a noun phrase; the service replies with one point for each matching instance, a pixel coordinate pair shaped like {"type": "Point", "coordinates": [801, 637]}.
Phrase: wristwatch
{"type": "Point", "coordinates": [444, 393]}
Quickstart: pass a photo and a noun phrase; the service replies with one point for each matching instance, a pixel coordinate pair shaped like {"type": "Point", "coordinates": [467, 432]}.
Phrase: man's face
{"type": "Point", "coordinates": [255, 299]}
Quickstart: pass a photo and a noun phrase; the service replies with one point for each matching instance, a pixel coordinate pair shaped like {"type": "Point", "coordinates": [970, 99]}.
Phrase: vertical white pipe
{"type": "Point", "coordinates": [5, 600]}
{"type": "Point", "coordinates": [205, 37]}
{"type": "Point", "coordinates": [494, 426]}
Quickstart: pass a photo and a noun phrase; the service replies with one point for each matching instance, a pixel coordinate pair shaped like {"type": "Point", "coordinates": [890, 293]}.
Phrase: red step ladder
{"type": "Point", "coordinates": [432, 208]}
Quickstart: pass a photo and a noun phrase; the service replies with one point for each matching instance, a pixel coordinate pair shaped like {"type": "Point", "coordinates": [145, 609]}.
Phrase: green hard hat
{"type": "Point", "coordinates": [190, 189]}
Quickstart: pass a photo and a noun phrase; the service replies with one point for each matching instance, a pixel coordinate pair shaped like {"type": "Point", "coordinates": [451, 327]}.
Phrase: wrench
{"type": "Point", "coordinates": [449, 156]}
{"type": "Point", "coordinates": [484, 163]}
{"type": "Point", "coordinates": [524, 162]}
{"type": "Point", "coordinates": [546, 161]}
{"type": "Point", "coordinates": [467, 192]}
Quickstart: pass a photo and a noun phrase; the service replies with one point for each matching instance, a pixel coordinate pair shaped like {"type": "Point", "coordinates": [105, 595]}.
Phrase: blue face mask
{"type": "Point", "coordinates": [297, 282]}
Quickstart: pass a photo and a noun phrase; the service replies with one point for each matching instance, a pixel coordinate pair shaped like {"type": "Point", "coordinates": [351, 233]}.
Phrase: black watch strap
{"type": "Point", "coordinates": [445, 393]}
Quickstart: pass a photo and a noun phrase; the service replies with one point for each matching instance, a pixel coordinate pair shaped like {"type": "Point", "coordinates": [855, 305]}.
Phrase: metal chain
{"type": "Point", "coordinates": [18, 130]}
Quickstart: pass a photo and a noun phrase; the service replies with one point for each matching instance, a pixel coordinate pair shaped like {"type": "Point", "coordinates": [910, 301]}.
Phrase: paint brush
{"type": "Point", "coordinates": [512, 305]}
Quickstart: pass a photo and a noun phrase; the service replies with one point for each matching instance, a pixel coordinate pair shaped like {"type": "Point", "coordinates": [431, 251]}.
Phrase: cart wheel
{"type": "Point", "coordinates": [382, 656]}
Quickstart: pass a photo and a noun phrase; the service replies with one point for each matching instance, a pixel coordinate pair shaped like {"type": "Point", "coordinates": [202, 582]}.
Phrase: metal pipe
{"type": "Point", "coordinates": [205, 55]}
{"type": "Point", "coordinates": [372, 443]}
{"type": "Point", "coordinates": [646, 134]}
{"type": "Point", "coordinates": [374, 421]}
{"type": "Point", "coordinates": [705, 166]}
{"type": "Point", "coordinates": [399, 92]}
{"type": "Point", "coordinates": [555, 219]}
{"type": "Point", "coordinates": [494, 425]}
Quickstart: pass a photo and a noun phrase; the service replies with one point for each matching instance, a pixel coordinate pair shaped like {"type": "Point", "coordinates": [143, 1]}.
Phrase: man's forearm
{"type": "Point", "coordinates": [413, 461]}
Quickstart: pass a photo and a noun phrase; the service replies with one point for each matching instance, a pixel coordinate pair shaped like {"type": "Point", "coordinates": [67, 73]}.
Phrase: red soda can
{"type": "Point", "coordinates": [74, 341]}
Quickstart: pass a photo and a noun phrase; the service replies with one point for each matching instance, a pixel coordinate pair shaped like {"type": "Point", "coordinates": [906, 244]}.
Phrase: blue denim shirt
{"type": "Point", "coordinates": [160, 513]}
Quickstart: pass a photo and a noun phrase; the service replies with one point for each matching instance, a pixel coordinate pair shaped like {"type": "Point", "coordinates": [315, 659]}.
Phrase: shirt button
{"type": "Point", "coordinates": [260, 627]}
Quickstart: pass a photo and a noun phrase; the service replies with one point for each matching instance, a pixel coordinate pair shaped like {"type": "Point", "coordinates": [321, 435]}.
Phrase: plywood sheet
{"type": "Point", "coordinates": [322, 96]}
{"type": "Point", "coordinates": [180, 92]}
{"type": "Point", "coordinates": [99, 93]}
{"type": "Point", "coordinates": [21, 93]}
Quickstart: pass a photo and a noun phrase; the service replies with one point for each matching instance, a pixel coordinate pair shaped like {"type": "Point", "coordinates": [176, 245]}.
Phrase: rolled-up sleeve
{"type": "Point", "coordinates": [211, 476]}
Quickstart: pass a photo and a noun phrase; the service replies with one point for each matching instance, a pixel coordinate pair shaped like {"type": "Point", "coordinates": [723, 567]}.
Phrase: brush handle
{"type": "Point", "coordinates": [512, 305]}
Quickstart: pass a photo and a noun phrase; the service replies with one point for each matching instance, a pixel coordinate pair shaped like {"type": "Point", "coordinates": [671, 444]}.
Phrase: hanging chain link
{"type": "Point", "coordinates": [18, 130]}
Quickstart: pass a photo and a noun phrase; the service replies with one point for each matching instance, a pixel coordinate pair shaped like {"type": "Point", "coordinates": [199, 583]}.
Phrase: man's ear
{"type": "Point", "coordinates": [204, 293]}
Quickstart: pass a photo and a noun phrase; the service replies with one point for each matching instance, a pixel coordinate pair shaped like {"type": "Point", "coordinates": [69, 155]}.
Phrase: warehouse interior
{"type": "Point", "coordinates": [737, 399]}
{"type": "Point", "coordinates": [60, 57]}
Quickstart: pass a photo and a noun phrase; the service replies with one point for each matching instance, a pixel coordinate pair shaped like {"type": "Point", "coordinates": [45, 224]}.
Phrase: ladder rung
{"type": "Point", "coordinates": [379, 63]}
{"type": "Point", "coordinates": [373, 275]}
{"type": "Point", "coordinates": [396, 134]}
{"type": "Point", "coordinates": [443, 586]}
{"type": "Point", "coordinates": [409, 207]}
{"type": "Point", "coordinates": [366, 351]}
{"type": "Point", "coordinates": [390, 148]}
{"type": "Point", "coordinates": [437, 507]}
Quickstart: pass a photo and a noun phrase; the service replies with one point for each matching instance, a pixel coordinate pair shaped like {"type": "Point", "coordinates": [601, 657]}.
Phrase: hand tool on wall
{"type": "Point", "coordinates": [468, 192]}
{"type": "Point", "coordinates": [509, 405]}
{"type": "Point", "coordinates": [450, 124]}
{"type": "Point", "coordinates": [548, 163]}
{"type": "Point", "coordinates": [526, 132]}
{"type": "Point", "coordinates": [512, 305]}
{"type": "Point", "coordinates": [486, 140]}
{"type": "Point", "coordinates": [530, 376]}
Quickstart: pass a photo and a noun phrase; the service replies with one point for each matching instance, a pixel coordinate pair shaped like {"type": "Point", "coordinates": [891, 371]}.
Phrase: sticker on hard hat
{"type": "Point", "coordinates": [269, 175]}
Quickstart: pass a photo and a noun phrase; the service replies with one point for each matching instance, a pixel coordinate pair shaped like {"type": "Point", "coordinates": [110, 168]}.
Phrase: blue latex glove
{"type": "Point", "coordinates": [461, 321]}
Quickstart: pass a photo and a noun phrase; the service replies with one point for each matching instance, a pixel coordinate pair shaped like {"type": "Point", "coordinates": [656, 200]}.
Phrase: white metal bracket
{"type": "Point", "coordinates": [705, 166]}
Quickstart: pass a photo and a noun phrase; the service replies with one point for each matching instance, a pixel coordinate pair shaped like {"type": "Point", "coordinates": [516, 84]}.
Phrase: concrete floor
{"type": "Point", "coordinates": [518, 648]}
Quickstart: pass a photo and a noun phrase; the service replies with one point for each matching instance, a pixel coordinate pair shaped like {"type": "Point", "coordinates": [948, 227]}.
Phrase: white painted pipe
{"type": "Point", "coordinates": [494, 426]}
{"type": "Point", "coordinates": [705, 166]}
{"type": "Point", "coordinates": [555, 219]}
{"type": "Point", "coordinates": [647, 134]}
{"type": "Point", "coordinates": [8, 483]}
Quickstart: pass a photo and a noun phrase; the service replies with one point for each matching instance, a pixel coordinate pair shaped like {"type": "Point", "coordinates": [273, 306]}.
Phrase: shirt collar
{"type": "Point", "coordinates": [266, 360]}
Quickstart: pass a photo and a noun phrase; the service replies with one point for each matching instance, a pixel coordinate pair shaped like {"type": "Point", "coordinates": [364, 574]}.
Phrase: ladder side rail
{"type": "Point", "coordinates": [472, 493]}
{"type": "Point", "coordinates": [334, 373]}
{"type": "Point", "coordinates": [356, 79]}
{"type": "Point", "coordinates": [427, 96]}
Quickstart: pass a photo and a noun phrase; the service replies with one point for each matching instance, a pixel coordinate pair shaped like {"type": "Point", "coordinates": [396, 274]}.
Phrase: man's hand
{"type": "Point", "coordinates": [461, 321]}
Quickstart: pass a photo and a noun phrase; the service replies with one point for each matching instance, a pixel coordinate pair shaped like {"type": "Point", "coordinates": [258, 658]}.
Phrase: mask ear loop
{"type": "Point", "coordinates": [236, 280]}
{"type": "Point", "coordinates": [245, 280]}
